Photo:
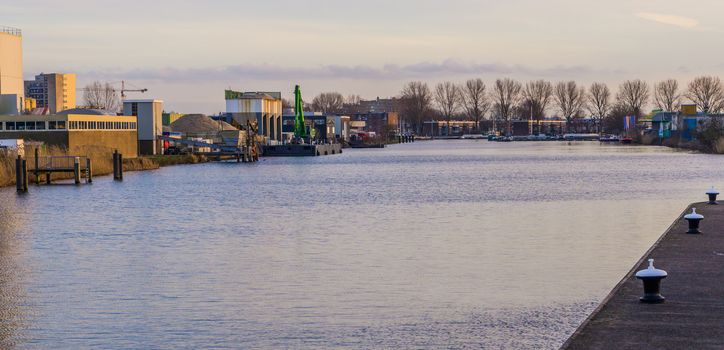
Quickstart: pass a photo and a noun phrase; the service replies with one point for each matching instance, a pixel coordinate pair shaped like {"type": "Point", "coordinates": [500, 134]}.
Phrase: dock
{"type": "Point", "coordinates": [692, 317]}
{"type": "Point", "coordinates": [302, 150]}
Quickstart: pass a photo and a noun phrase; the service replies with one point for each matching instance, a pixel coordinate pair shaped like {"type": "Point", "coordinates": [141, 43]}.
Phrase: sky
{"type": "Point", "coordinates": [187, 53]}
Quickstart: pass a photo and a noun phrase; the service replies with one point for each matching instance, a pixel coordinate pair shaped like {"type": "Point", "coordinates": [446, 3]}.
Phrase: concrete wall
{"type": "Point", "coordinates": [125, 141]}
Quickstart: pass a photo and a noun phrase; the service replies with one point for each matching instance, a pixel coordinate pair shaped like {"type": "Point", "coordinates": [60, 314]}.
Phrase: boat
{"type": "Point", "coordinates": [609, 138]}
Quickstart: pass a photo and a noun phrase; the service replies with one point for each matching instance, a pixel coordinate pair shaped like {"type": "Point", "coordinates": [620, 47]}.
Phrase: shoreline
{"type": "Point", "coordinates": [146, 163]}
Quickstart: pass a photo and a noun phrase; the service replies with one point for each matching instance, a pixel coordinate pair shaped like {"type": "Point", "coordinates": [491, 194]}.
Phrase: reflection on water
{"type": "Point", "coordinates": [436, 244]}
{"type": "Point", "coordinates": [13, 272]}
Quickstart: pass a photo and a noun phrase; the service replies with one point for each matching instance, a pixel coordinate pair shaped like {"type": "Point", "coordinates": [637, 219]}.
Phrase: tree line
{"type": "Point", "coordinates": [508, 99]}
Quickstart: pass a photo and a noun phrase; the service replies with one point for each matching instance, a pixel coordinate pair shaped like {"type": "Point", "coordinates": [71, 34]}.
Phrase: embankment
{"type": "Point", "coordinates": [102, 163]}
{"type": "Point", "coordinates": [692, 317]}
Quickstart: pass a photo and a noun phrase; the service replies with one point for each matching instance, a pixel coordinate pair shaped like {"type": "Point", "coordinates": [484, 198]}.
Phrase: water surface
{"type": "Point", "coordinates": [444, 244]}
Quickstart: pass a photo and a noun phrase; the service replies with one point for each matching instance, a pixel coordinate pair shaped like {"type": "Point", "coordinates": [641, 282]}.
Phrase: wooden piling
{"type": "Point", "coordinates": [19, 176]}
{"type": "Point", "coordinates": [89, 170]}
{"type": "Point", "coordinates": [76, 170]}
{"type": "Point", "coordinates": [37, 166]}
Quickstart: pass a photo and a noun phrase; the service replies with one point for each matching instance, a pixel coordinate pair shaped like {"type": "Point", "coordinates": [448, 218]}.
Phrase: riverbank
{"type": "Point", "coordinates": [692, 316]}
{"type": "Point", "coordinates": [102, 165]}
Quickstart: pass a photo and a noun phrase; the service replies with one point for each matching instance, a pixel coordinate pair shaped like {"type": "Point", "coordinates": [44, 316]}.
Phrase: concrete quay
{"type": "Point", "coordinates": [692, 317]}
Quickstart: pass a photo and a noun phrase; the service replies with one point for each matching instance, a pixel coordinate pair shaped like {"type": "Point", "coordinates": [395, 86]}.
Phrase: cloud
{"type": "Point", "coordinates": [445, 69]}
{"type": "Point", "coordinates": [678, 21]}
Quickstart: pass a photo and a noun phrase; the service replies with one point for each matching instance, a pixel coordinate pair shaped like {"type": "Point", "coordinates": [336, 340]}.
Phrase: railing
{"type": "Point", "coordinates": [56, 162]}
{"type": "Point", "coordinates": [11, 31]}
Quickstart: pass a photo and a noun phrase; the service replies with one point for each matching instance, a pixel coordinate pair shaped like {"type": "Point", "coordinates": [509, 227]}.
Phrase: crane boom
{"type": "Point", "coordinates": [300, 131]}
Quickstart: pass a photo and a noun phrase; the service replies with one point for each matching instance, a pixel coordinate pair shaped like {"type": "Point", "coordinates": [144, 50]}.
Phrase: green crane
{"type": "Point", "coordinates": [300, 131]}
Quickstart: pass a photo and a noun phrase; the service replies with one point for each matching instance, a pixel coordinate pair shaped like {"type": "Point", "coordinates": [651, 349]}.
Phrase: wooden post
{"type": "Point", "coordinates": [76, 170]}
{"type": "Point", "coordinates": [19, 174]}
{"type": "Point", "coordinates": [116, 175]}
{"type": "Point", "coordinates": [89, 170]}
{"type": "Point", "coordinates": [120, 166]}
{"type": "Point", "coordinates": [25, 175]}
{"type": "Point", "coordinates": [37, 165]}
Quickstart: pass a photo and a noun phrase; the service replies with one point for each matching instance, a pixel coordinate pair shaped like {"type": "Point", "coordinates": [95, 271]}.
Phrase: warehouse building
{"type": "Point", "coordinates": [75, 131]}
{"type": "Point", "coordinates": [150, 124]}
{"type": "Point", "coordinates": [263, 107]}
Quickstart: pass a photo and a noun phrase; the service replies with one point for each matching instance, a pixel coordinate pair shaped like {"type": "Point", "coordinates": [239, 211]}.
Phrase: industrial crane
{"type": "Point", "coordinates": [124, 90]}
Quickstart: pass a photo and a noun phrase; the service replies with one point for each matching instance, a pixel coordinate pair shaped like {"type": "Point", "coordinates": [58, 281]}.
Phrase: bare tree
{"type": "Point", "coordinates": [570, 99]}
{"type": "Point", "coordinates": [447, 98]}
{"type": "Point", "coordinates": [707, 93]}
{"type": "Point", "coordinates": [100, 95]}
{"type": "Point", "coordinates": [417, 100]}
{"type": "Point", "coordinates": [353, 99]}
{"type": "Point", "coordinates": [632, 96]}
{"type": "Point", "coordinates": [287, 104]}
{"type": "Point", "coordinates": [475, 100]}
{"type": "Point", "coordinates": [328, 102]}
{"type": "Point", "coordinates": [599, 103]}
{"type": "Point", "coordinates": [506, 96]}
{"type": "Point", "coordinates": [666, 95]}
{"type": "Point", "coordinates": [537, 95]}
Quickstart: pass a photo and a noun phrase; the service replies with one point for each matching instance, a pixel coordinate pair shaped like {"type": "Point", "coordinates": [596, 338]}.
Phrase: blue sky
{"type": "Point", "coordinates": [187, 53]}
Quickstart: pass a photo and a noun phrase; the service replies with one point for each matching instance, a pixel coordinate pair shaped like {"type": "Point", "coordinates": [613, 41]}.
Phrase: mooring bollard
{"type": "Point", "coordinates": [712, 193]}
{"type": "Point", "coordinates": [694, 219]}
{"type": "Point", "coordinates": [76, 170]}
{"type": "Point", "coordinates": [652, 284]}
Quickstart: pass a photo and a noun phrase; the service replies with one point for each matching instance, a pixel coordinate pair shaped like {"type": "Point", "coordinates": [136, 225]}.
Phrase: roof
{"type": "Point", "coordinates": [88, 111]}
{"type": "Point", "coordinates": [144, 101]}
{"type": "Point", "coordinates": [237, 95]}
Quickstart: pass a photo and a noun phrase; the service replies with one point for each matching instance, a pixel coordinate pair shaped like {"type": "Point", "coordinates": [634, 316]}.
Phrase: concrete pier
{"type": "Point", "coordinates": [692, 316]}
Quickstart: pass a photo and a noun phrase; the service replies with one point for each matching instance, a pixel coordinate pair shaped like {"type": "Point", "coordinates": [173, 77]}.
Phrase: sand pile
{"type": "Point", "coordinates": [199, 124]}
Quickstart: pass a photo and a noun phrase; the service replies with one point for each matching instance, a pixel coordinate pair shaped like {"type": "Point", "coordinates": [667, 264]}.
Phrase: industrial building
{"type": "Point", "coordinates": [150, 124]}
{"type": "Point", "coordinates": [75, 131]}
{"type": "Point", "coordinates": [381, 123]}
{"type": "Point", "coordinates": [12, 92]}
{"type": "Point", "coordinates": [54, 92]}
{"type": "Point", "coordinates": [263, 107]}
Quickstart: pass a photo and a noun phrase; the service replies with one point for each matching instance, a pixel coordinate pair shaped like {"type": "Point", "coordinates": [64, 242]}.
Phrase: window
{"type": "Point", "coordinates": [19, 125]}
{"type": "Point", "coordinates": [60, 124]}
{"type": "Point", "coordinates": [134, 109]}
{"type": "Point", "coordinates": [39, 125]}
{"type": "Point", "coordinates": [51, 125]}
{"type": "Point", "coordinates": [10, 126]}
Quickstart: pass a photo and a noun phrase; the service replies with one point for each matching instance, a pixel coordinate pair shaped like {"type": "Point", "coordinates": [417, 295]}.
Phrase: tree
{"type": "Point", "coordinates": [599, 103]}
{"type": "Point", "coordinates": [416, 103]}
{"type": "Point", "coordinates": [475, 100]}
{"type": "Point", "coordinates": [328, 102]}
{"type": "Point", "coordinates": [287, 104]}
{"type": "Point", "coordinates": [353, 99]}
{"type": "Point", "coordinates": [100, 96]}
{"type": "Point", "coordinates": [632, 96]}
{"type": "Point", "coordinates": [666, 95]}
{"type": "Point", "coordinates": [506, 96]}
{"type": "Point", "coordinates": [537, 95]}
{"type": "Point", "coordinates": [707, 93]}
{"type": "Point", "coordinates": [447, 98]}
{"type": "Point", "coordinates": [570, 99]}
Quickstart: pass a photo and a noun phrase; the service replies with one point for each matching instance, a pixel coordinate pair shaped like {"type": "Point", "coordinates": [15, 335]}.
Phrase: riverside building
{"type": "Point", "coordinates": [75, 132]}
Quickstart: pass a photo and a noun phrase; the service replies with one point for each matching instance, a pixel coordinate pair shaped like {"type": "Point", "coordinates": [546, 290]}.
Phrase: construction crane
{"type": "Point", "coordinates": [300, 131]}
{"type": "Point", "coordinates": [124, 90]}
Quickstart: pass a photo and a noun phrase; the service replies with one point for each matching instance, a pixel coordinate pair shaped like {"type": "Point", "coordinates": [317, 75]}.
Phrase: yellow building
{"type": "Point", "coordinates": [11, 70]}
{"type": "Point", "coordinates": [55, 91]}
{"type": "Point", "coordinates": [75, 132]}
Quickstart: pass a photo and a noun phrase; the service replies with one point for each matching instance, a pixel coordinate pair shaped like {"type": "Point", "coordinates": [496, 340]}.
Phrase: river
{"type": "Point", "coordinates": [441, 244]}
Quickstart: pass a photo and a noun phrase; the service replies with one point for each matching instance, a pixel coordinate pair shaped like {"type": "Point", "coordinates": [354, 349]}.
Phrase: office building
{"type": "Point", "coordinates": [54, 91]}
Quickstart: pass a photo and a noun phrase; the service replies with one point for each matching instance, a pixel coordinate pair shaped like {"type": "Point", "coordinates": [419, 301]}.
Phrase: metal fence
{"type": "Point", "coordinates": [11, 31]}
{"type": "Point", "coordinates": [56, 162]}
